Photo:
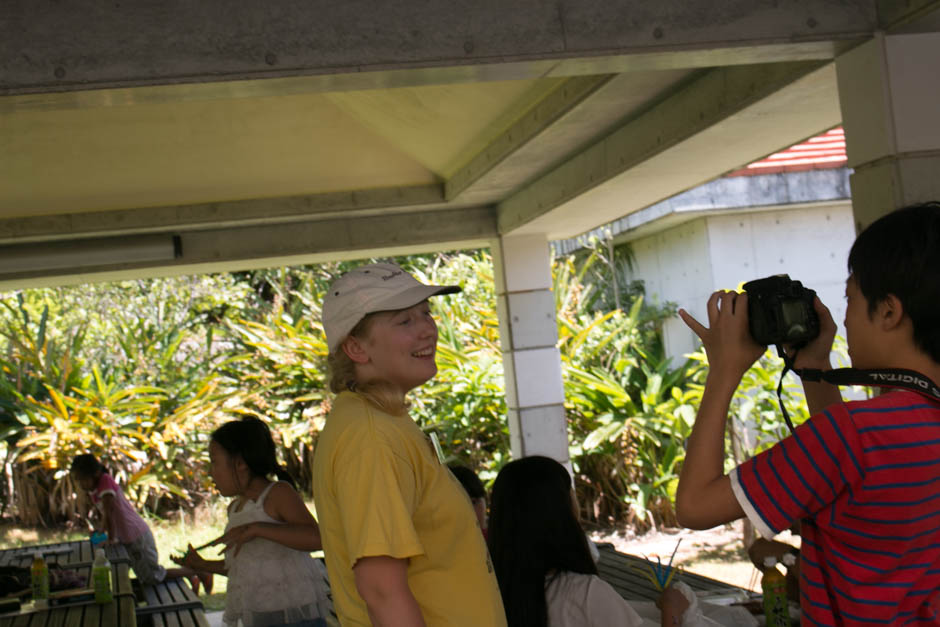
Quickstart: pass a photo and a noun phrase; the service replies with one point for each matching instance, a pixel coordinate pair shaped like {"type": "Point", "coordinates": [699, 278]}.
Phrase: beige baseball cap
{"type": "Point", "coordinates": [368, 289]}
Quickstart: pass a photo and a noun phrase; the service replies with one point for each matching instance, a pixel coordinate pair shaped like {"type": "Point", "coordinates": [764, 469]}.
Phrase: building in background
{"type": "Point", "coordinates": [789, 213]}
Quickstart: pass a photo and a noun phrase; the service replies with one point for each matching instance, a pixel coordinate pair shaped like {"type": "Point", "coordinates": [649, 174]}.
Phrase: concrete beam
{"type": "Point", "coordinates": [905, 14]}
{"type": "Point", "coordinates": [116, 94]}
{"type": "Point", "coordinates": [87, 45]}
{"type": "Point", "coordinates": [599, 109]}
{"type": "Point", "coordinates": [620, 173]}
{"type": "Point", "coordinates": [563, 99]}
{"type": "Point", "coordinates": [234, 249]}
{"type": "Point", "coordinates": [218, 215]}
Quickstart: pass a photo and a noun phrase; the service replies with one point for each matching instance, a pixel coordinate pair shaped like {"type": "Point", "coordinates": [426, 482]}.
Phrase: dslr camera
{"type": "Point", "coordinates": [780, 311]}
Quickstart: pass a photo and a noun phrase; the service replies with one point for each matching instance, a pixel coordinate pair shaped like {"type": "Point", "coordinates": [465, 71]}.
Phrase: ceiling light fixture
{"type": "Point", "coordinates": [45, 257]}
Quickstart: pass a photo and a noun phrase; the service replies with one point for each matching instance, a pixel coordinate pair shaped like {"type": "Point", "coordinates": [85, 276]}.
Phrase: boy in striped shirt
{"type": "Point", "coordinates": [863, 477]}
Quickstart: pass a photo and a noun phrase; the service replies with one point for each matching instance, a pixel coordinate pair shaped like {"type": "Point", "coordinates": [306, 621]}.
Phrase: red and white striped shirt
{"type": "Point", "coordinates": [864, 477]}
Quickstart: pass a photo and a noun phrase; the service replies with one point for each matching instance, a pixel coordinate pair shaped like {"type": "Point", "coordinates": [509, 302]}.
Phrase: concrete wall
{"type": "Point", "coordinates": [676, 267]}
{"type": "Point", "coordinates": [686, 263]}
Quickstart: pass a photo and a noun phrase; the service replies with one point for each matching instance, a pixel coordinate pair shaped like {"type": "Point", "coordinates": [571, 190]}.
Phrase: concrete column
{"type": "Point", "coordinates": [889, 88]}
{"type": "Point", "coordinates": [529, 334]}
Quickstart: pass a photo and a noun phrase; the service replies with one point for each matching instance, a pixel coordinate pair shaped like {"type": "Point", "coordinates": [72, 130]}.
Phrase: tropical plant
{"type": "Point", "coordinates": [465, 405]}
{"type": "Point", "coordinates": [63, 394]}
{"type": "Point", "coordinates": [278, 371]}
{"type": "Point", "coordinates": [33, 365]}
{"type": "Point", "coordinates": [628, 409]}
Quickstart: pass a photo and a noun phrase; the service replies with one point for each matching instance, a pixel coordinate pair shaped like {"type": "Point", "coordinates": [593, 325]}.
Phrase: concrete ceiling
{"type": "Point", "coordinates": [268, 133]}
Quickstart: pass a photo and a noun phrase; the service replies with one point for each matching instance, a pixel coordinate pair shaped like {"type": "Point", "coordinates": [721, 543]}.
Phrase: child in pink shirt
{"type": "Point", "coordinates": [123, 524]}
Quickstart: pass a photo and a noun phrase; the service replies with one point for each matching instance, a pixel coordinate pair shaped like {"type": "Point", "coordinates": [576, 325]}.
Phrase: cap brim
{"type": "Point", "coordinates": [412, 296]}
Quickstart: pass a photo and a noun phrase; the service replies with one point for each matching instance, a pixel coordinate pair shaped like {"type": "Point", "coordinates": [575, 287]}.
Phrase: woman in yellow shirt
{"type": "Point", "coordinates": [401, 540]}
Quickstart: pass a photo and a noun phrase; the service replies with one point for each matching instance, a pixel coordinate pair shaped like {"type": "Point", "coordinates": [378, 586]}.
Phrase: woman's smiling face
{"type": "Point", "coordinates": [401, 346]}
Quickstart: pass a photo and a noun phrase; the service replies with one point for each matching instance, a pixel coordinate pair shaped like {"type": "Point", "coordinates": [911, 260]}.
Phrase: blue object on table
{"type": "Point", "coordinates": [97, 538]}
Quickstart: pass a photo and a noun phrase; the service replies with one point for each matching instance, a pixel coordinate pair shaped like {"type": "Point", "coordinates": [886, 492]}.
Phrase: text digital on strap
{"type": "Point", "coordinates": [907, 379]}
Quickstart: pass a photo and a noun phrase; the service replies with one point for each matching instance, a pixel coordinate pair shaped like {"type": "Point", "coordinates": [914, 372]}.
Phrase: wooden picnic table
{"type": "Point", "coordinates": [77, 556]}
{"type": "Point", "coordinates": [171, 603]}
{"type": "Point", "coordinates": [625, 573]}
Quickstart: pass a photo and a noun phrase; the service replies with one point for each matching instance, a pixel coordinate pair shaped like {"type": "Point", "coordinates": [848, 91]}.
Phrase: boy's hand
{"type": "Point", "coordinates": [816, 354]}
{"type": "Point", "coordinates": [728, 343]}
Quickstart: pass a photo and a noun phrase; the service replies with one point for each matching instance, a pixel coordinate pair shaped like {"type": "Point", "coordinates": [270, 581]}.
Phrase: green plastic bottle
{"type": "Point", "coordinates": [774, 585]}
{"type": "Point", "coordinates": [39, 578]}
{"type": "Point", "coordinates": [101, 578]}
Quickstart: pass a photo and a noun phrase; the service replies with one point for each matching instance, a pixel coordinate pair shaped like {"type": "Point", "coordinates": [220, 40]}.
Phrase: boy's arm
{"type": "Point", "coordinates": [704, 497]}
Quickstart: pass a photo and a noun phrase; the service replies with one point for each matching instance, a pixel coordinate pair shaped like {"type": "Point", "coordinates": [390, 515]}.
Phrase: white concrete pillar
{"type": "Point", "coordinates": [529, 333]}
{"type": "Point", "coordinates": [889, 90]}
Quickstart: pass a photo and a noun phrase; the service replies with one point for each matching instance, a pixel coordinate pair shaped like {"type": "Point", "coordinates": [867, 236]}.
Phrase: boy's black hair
{"type": "Point", "coordinates": [900, 254]}
{"type": "Point", "coordinates": [469, 480]}
{"type": "Point", "coordinates": [87, 465]}
{"type": "Point", "coordinates": [534, 531]}
{"type": "Point", "coordinates": [250, 439]}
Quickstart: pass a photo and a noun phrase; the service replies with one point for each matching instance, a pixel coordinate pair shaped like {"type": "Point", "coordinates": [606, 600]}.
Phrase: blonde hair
{"type": "Point", "coordinates": [382, 394]}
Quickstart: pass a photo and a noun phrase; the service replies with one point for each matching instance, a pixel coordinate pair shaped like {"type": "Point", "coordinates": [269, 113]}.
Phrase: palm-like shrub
{"type": "Point", "coordinates": [278, 371]}
{"type": "Point", "coordinates": [465, 405]}
{"type": "Point", "coordinates": [86, 378]}
{"type": "Point", "coordinates": [629, 410]}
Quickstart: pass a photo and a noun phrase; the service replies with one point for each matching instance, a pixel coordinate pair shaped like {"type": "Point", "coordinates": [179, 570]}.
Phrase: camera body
{"type": "Point", "coordinates": [780, 311]}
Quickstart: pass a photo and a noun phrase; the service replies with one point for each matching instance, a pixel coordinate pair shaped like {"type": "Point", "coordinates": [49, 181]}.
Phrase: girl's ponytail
{"type": "Point", "coordinates": [283, 475]}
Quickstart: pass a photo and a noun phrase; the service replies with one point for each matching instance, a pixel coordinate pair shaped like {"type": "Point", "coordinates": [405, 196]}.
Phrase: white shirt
{"type": "Point", "coordinates": [576, 600]}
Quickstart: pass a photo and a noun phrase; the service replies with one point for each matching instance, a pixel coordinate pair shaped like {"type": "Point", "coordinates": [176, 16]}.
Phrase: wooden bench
{"type": "Point", "coordinates": [625, 574]}
{"type": "Point", "coordinates": [171, 603]}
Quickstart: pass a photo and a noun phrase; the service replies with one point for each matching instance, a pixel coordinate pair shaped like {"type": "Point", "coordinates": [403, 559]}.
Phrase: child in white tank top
{"type": "Point", "coordinates": [273, 580]}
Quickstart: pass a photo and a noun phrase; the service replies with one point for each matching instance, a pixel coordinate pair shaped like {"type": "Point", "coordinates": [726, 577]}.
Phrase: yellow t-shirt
{"type": "Point", "coordinates": [380, 490]}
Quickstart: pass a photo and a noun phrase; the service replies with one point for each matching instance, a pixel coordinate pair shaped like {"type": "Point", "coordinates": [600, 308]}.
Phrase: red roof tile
{"type": "Point", "coordinates": [816, 153]}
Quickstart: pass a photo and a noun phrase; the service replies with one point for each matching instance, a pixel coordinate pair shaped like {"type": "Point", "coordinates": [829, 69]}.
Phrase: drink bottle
{"type": "Point", "coordinates": [39, 578]}
{"type": "Point", "coordinates": [774, 585]}
{"type": "Point", "coordinates": [101, 577]}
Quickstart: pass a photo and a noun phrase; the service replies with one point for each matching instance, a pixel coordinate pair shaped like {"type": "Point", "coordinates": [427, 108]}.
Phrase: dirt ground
{"type": "Point", "coordinates": [717, 553]}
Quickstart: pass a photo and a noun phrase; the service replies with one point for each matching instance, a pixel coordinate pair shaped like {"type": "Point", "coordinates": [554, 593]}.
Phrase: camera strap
{"type": "Point", "coordinates": [788, 361]}
{"type": "Point", "coordinates": [890, 377]}
{"type": "Point", "coordinates": [896, 378]}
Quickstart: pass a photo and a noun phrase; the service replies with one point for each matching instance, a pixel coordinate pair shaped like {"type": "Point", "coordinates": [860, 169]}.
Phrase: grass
{"type": "Point", "coordinates": [206, 523]}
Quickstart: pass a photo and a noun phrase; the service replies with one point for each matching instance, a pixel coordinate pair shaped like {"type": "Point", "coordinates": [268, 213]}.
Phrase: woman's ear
{"type": "Point", "coordinates": [355, 349]}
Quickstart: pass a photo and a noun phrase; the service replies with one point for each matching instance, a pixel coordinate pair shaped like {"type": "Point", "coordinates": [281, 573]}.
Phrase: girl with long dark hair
{"type": "Point", "coordinates": [546, 574]}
